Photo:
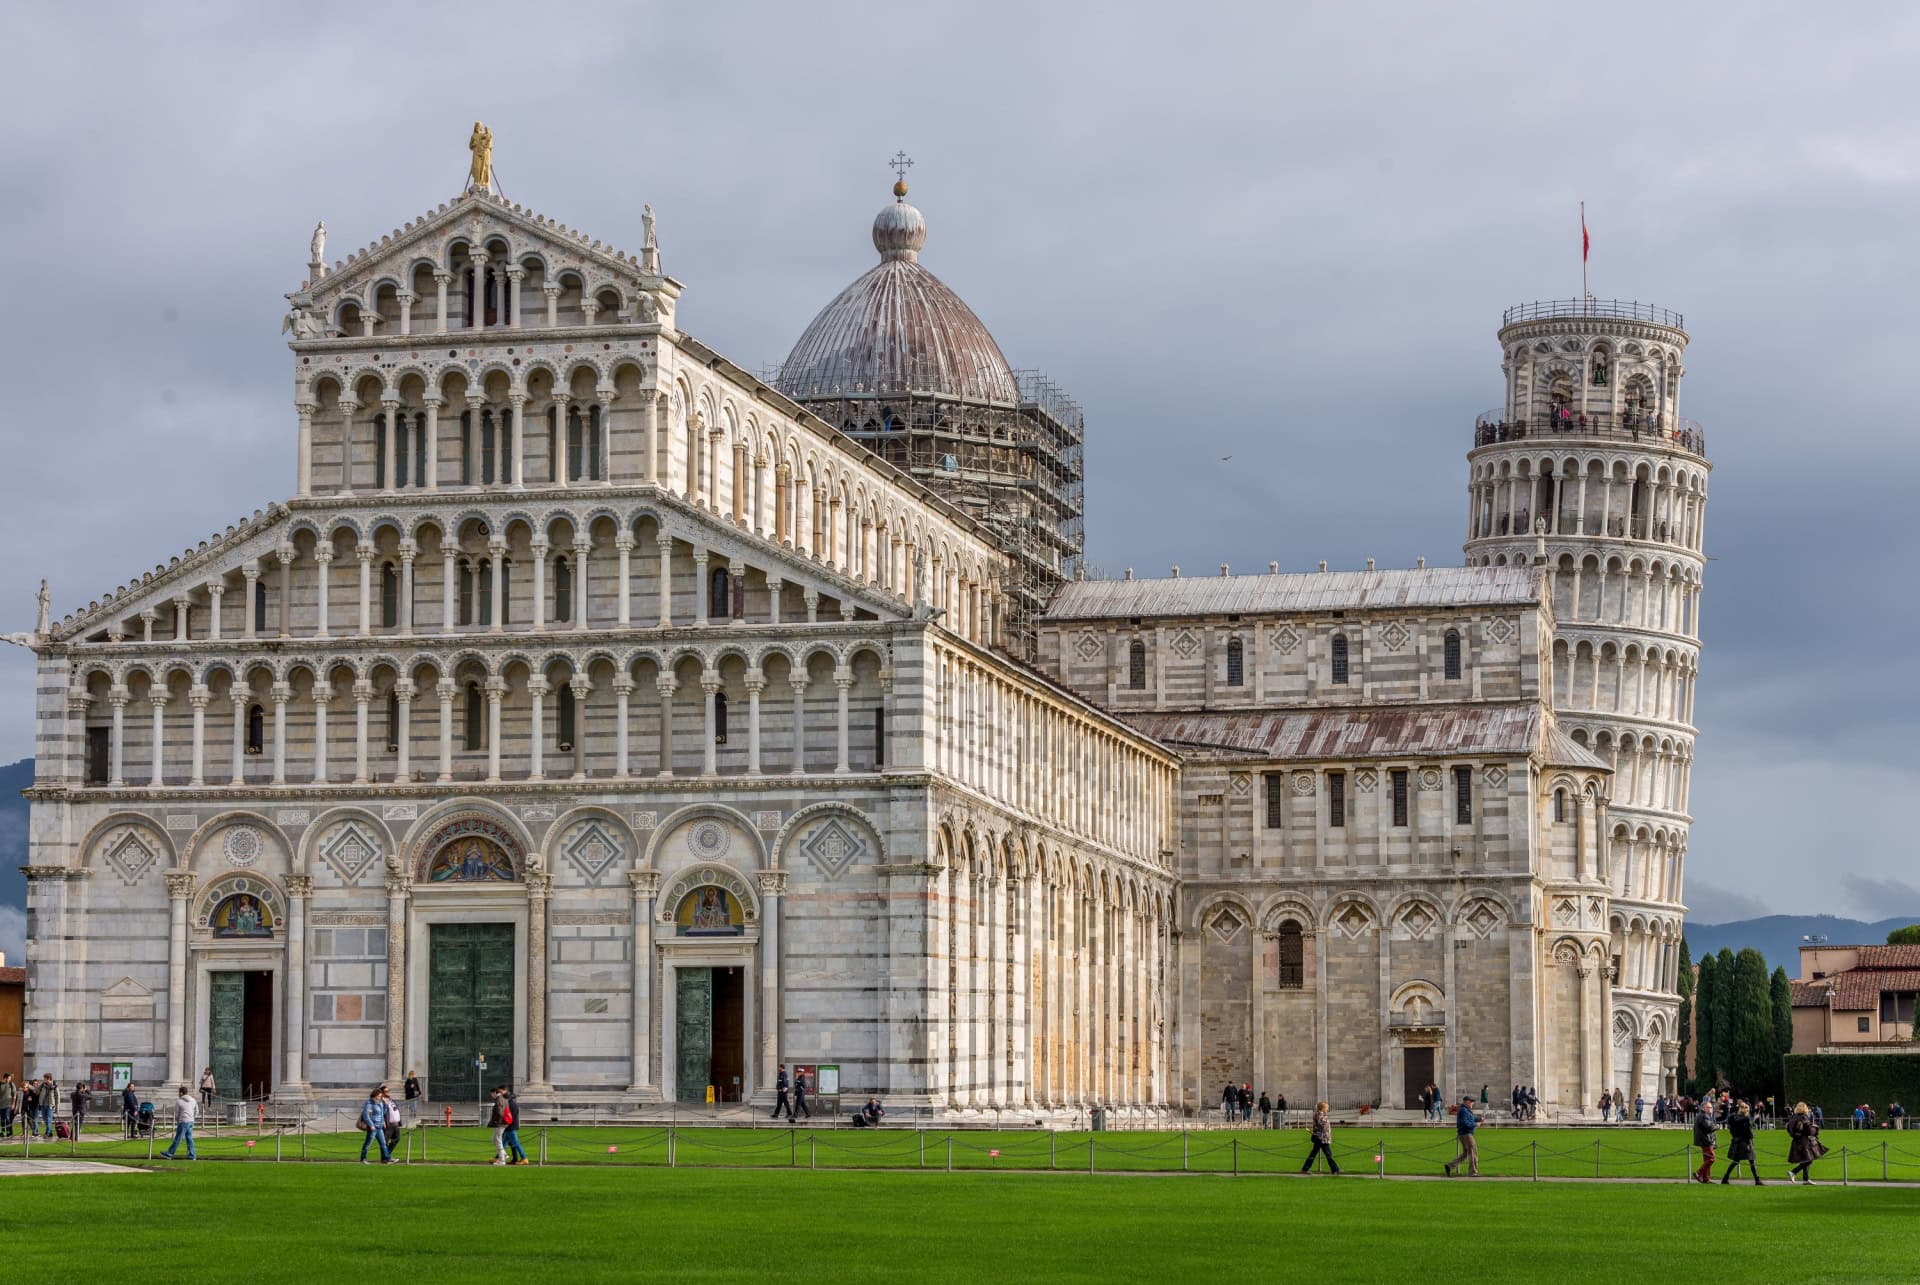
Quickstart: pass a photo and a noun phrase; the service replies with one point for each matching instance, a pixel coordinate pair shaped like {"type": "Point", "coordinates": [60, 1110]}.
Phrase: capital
{"type": "Point", "coordinates": [158, 699]}
{"type": "Point", "coordinates": [446, 689]}
{"type": "Point", "coordinates": [179, 884]}
{"type": "Point", "coordinates": [299, 885]}
{"type": "Point", "coordinates": [364, 553]}
{"type": "Point", "coordinates": [363, 691]}
{"type": "Point", "coordinates": [442, 276]}
{"type": "Point", "coordinates": [643, 882]}
{"type": "Point", "coordinates": [711, 686]}
{"type": "Point", "coordinates": [322, 555]}
{"type": "Point", "coordinates": [623, 542]}
{"type": "Point", "coordinates": [623, 686]}
{"type": "Point", "coordinates": [539, 884]}
{"type": "Point", "coordinates": [405, 296]}
{"type": "Point", "coordinates": [516, 272]}
{"type": "Point", "coordinates": [199, 697]}
{"type": "Point", "coordinates": [551, 289]}
{"type": "Point", "coordinates": [773, 883]}
{"type": "Point", "coordinates": [537, 686]}
{"type": "Point", "coordinates": [666, 684]}
{"type": "Point", "coordinates": [282, 693]}
{"type": "Point", "coordinates": [404, 693]}
{"type": "Point", "coordinates": [581, 685]}
{"type": "Point", "coordinates": [756, 682]}
{"type": "Point", "coordinates": [390, 404]}
{"type": "Point", "coordinates": [323, 693]}
{"type": "Point", "coordinates": [496, 687]}
{"type": "Point", "coordinates": [497, 545]}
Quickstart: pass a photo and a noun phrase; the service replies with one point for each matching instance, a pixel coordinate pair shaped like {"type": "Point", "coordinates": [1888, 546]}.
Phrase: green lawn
{"type": "Point", "coordinates": [1621, 1153]}
{"type": "Point", "coordinates": [219, 1222]}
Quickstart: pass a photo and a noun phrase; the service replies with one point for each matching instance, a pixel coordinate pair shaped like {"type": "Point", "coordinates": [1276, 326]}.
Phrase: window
{"type": "Point", "coordinates": [1463, 795]}
{"type": "Point", "coordinates": [1337, 799]}
{"type": "Point", "coordinates": [379, 451]}
{"type": "Point", "coordinates": [1293, 957]}
{"type": "Point", "coordinates": [420, 448]}
{"type": "Point", "coordinates": [1559, 807]}
{"type": "Point", "coordinates": [99, 754]}
{"type": "Point", "coordinates": [1453, 653]}
{"type": "Point", "coordinates": [389, 595]}
{"type": "Point", "coordinates": [1340, 658]}
{"type": "Point", "coordinates": [554, 473]}
{"type": "Point", "coordinates": [1863, 1026]}
{"type": "Point", "coordinates": [256, 729]}
{"type": "Point", "coordinates": [476, 731]}
{"type": "Point", "coordinates": [483, 584]}
{"type": "Point", "coordinates": [879, 737]}
{"type": "Point", "coordinates": [486, 447]}
{"type": "Point", "coordinates": [260, 606]}
{"type": "Point", "coordinates": [466, 593]}
{"type": "Point", "coordinates": [1235, 663]}
{"type": "Point", "coordinates": [1399, 777]}
{"type": "Point", "coordinates": [466, 448]}
{"type": "Point", "coordinates": [393, 722]}
{"type": "Point", "coordinates": [506, 590]}
{"type": "Point", "coordinates": [719, 718]}
{"type": "Point", "coordinates": [573, 444]}
{"type": "Point", "coordinates": [1276, 800]}
{"type": "Point", "coordinates": [562, 590]}
{"type": "Point", "coordinates": [1137, 665]}
{"type": "Point", "coordinates": [594, 430]}
{"type": "Point", "coordinates": [567, 717]}
{"type": "Point", "coordinates": [718, 582]}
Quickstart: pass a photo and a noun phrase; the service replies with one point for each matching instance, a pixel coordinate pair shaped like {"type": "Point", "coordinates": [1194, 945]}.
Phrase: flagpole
{"type": "Point", "coordinates": [1584, 295]}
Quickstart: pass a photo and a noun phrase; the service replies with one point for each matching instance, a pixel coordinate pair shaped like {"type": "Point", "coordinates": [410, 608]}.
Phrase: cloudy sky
{"type": "Point", "coordinates": [1283, 233]}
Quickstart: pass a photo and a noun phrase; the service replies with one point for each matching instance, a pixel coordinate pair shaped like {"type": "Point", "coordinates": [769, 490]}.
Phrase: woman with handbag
{"type": "Point", "coordinates": [1806, 1148]}
{"type": "Point", "coordinates": [373, 1124]}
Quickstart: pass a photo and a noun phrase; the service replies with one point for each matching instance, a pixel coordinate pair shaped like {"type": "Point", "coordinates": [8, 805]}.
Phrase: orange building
{"type": "Point", "coordinates": [1855, 997]}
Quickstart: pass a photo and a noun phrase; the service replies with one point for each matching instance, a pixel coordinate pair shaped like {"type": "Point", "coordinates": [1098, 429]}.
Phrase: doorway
{"type": "Point", "coordinates": [710, 1033]}
{"type": "Point", "coordinates": [240, 1032]}
{"type": "Point", "coordinates": [1419, 1067]}
{"type": "Point", "coordinates": [469, 1010]}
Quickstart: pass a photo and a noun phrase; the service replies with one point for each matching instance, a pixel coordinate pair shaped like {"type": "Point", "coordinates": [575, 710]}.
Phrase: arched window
{"type": "Point", "coordinates": [573, 444]}
{"type": "Point", "coordinates": [554, 461]}
{"type": "Point", "coordinates": [476, 729]}
{"type": "Point", "coordinates": [1236, 664]}
{"type": "Point", "coordinates": [719, 718]}
{"type": "Point", "coordinates": [1340, 658]}
{"type": "Point", "coordinates": [256, 729]}
{"type": "Point", "coordinates": [419, 448]}
{"type": "Point", "coordinates": [506, 590]}
{"type": "Point", "coordinates": [1453, 653]}
{"type": "Point", "coordinates": [562, 590]}
{"type": "Point", "coordinates": [393, 722]}
{"type": "Point", "coordinates": [567, 716]}
{"type": "Point", "coordinates": [1560, 807]}
{"type": "Point", "coordinates": [1136, 665]}
{"type": "Point", "coordinates": [594, 431]}
{"type": "Point", "coordinates": [260, 606]}
{"type": "Point", "coordinates": [466, 448]}
{"type": "Point", "coordinates": [1293, 957]}
{"type": "Point", "coordinates": [486, 447]}
{"type": "Point", "coordinates": [389, 595]}
{"type": "Point", "coordinates": [483, 591]}
{"type": "Point", "coordinates": [719, 581]}
{"type": "Point", "coordinates": [466, 592]}
{"type": "Point", "coordinates": [379, 452]}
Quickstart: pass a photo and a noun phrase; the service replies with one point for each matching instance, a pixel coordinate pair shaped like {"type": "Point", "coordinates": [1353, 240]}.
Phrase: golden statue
{"type": "Point", "coordinates": [481, 145]}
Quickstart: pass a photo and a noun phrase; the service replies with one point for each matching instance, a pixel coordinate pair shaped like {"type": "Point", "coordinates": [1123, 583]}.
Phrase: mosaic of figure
{"type": "Point", "coordinates": [242, 915]}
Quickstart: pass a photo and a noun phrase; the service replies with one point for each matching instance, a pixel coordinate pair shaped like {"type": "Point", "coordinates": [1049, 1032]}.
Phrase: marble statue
{"type": "Point", "coordinates": [317, 248]}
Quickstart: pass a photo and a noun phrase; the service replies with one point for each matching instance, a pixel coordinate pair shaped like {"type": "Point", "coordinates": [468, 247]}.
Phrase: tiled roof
{"type": "Point", "coordinates": [1889, 957]}
{"type": "Point", "coordinates": [1349, 733]}
{"type": "Point", "coordinates": [1858, 989]}
{"type": "Point", "coordinates": [1302, 591]}
{"type": "Point", "coordinates": [13, 977]}
{"type": "Point", "coordinates": [1809, 994]}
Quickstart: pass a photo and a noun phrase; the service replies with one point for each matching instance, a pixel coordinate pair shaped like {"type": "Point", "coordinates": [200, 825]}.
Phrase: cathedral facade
{"type": "Point", "coordinates": [598, 717]}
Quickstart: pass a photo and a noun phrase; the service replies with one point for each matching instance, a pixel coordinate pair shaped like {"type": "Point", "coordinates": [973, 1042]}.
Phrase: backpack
{"type": "Point", "coordinates": [506, 1113]}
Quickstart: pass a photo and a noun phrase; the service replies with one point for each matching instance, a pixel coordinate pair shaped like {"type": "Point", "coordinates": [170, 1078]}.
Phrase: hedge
{"type": "Point", "coordinates": [1838, 1082]}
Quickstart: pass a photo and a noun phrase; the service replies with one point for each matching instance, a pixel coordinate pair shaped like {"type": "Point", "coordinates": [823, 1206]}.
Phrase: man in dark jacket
{"type": "Point", "coordinates": [1464, 1123]}
{"type": "Point", "coordinates": [799, 1097]}
{"type": "Point", "coordinates": [81, 1099]}
{"type": "Point", "coordinates": [130, 1109]}
{"type": "Point", "coordinates": [1740, 1144]}
{"type": "Point", "coordinates": [1703, 1138]}
{"type": "Point", "coordinates": [780, 1101]}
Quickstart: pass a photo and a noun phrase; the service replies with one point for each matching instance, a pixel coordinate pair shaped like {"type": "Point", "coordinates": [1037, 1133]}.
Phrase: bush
{"type": "Point", "coordinates": [1838, 1082]}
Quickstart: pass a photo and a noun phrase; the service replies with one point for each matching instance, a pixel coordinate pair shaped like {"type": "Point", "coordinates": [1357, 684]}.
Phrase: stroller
{"type": "Point", "coordinates": [143, 1123]}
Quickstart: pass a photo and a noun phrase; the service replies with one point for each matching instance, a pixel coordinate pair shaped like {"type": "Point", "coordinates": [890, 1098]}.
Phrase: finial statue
{"type": "Point", "coordinates": [649, 241]}
{"type": "Point", "coordinates": [317, 248]}
{"type": "Point", "coordinates": [46, 607]}
{"type": "Point", "coordinates": [480, 143]}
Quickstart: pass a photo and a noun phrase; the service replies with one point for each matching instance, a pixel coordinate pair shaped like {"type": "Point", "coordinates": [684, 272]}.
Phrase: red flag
{"type": "Point", "coordinates": [1586, 242]}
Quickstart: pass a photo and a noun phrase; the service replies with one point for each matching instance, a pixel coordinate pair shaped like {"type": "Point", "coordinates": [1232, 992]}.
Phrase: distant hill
{"type": "Point", "coordinates": [14, 777]}
{"type": "Point", "coordinates": [1778, 937]}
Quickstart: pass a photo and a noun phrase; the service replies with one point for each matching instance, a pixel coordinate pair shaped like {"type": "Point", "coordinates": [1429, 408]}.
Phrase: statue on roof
{"type": "Point", "coordinates": [649, 240]}
{"type": "Point", "coordinates": [45, 599]}
{"type": "Point", "coordinates": [480, 143]}
{"type": "Point", "coordinates": [317, 248]}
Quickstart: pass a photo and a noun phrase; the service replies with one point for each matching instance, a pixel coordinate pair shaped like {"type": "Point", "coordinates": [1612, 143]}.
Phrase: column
{"type": "Point", "coordinates": [756, 683]}
{"type": "Point", "coordinates": [514, 276]}
{"type": "Point", "coordinates": [539, 549]}
{"type": "Point", "coordinates": [449, 568]}
{"type": "Point", "coordinates": [362, 694]}
{"type": "Point", "coordinates": [303, 465]}
{"type": "Point", "coordinates": [389, 430]}
{"type": "Point", "coordinates": [403, 620]}
{"type": "Point", "coordinates": [537, 692]}
{"type": "Point", "coordinates": [624, 543]}
{"type": "Point", "coordinates": [797, 680]}
{"type": "Point", "coordinates": [365, 554]}
{"type": "Point", "coordinates": [117, 697]}
{"type": "Point", "coordinates": [709, 754]}
{"type": "Point", "coordinates": [582, 547]}
{"type": "Point", "coordinates": [665, 685]}
{"type": "Point", "coordinates": [292, 1061]}
{"type": "Point", "coordinates": [643, 884]}
{"type": "Point", "coordinates": [1589, 1091]}
{"type": "Point", "coordinates": [516, 416]}
{"type": "Point", "coordinates": [396, 975]}
{"type": "Point", "coordinates": [843, 684]}
{"type": "Point", "coordinates": [496, 551]}
{"type": "Point", "coordinates": [179, 888]}
{"type": "Point", "coordinates": [405, 299]}
{"type": "Point", "coordinates": [239, 696]}
{"type": "Point", "coordinates": [622, 692]}
{"type": "Point", "coordinates": [282, 693]}
{"type": "Point", "coordinates": [159, 703]}
{"type": "Point", "coordinates": [773, 883]}
{"type": "Point", "coordinates": [651, 411]}
{"type": "Point", "coordinates": [445, 691]}
{"type": "Point", "coordinates": [700, 591]}
{"type": "Point", "coordinates": [479, 301]}
{"type": "Point", "coordinates": [552, 291]}
{"type": "Point", "coordinates": [775, 585]}
{"type": "Point", "coordinates": [666, 580]}
{"type": "Point", "coordinates": [199, 697]}
{"type": "Point", "coordinates": [433, 443]}
{"type": "Point", "coordinates": [252, 572]}
{"type": "Point", "coordinates": [347, 406]}
{"type": "Point", "coordinates": [403, 693]}
{"type": "Point", "coordinates": [440, 279]}
{"type": "Point", "coordinates": [322, 694]}
{"type": "Point", "coordinates": [496, 689]}
{"type": "Point", "coordinates": [605, 398]}
{"type": "Point", "coordinates": [538, 885]}
{"type": "Point", "coordinates": [324, 557]}
{"type": "Point", "coordinates": [215, 592]}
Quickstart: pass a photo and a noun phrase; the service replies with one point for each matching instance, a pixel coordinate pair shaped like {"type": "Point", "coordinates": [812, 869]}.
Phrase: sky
{"type": "Point", "coordinates": [1279, 232]}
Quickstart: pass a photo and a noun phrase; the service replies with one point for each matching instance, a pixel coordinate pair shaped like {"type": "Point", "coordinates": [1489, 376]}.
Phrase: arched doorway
{"type": "Point", "coordinates": [466, 897]}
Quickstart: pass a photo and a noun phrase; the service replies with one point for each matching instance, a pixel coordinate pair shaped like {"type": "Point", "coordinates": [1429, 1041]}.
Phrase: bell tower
{"type": "Point", "coordinates": [1589, 453]}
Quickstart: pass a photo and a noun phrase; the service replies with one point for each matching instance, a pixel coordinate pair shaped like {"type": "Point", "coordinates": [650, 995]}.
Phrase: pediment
{"type": "Point", "coordinates": [126, 988]}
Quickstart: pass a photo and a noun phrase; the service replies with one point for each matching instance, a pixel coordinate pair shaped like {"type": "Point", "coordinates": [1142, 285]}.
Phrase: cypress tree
{"type": "Point", "coordinates": [1752, 1063]}
{"type": "Point", "coordinates": [1686, 1012]}
{"type": "Point", "coordinates": [1721, 1000]}
{"type": "Point", "coordinates": [1703, 1020]}
{"type": "Point", "coordinates": [1782, 1028]}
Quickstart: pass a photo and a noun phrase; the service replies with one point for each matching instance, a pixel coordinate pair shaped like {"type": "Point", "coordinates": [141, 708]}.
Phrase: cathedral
{"type": "Point", "coordinates": [599, 716]}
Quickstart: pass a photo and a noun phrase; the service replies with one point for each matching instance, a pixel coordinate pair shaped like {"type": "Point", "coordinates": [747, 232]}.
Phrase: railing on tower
{"type": "Point", "coordinates": [1567, 425]}
{"type": "Point", "coordinates": [1615, 309]}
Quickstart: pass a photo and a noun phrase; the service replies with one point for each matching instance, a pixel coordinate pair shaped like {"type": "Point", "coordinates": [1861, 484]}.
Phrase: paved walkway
{"type": "Point", "coordinates": [11, 1168]}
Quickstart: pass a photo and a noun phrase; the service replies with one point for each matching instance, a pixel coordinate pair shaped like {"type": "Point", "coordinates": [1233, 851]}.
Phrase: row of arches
{"type": "Point", "coordinates": [1646, 952]}
{"type": "Point", "coordinates": [1512, 493]}
{"type": "Point", "coordinates": [1651, 682]}
{"type": "Point", "coordinates": [1650, 772]}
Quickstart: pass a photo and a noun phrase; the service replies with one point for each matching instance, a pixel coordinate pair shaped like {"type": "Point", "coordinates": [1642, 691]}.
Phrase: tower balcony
{"type": "Point", "coordinates": [1604, 309]}
{"type": "Point", "coordinates": [1569, 427]}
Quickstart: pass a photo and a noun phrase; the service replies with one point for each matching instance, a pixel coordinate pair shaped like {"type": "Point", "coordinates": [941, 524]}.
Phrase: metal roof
{"type": "Point", "coordinates": [1351, 733]}
{"type": "Point", "coordinates": [1296, 591]}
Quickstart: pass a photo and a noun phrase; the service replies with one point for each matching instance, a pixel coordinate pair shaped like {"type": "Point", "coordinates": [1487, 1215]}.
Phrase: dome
{"type": "Point", "coordinates": [898, 329]}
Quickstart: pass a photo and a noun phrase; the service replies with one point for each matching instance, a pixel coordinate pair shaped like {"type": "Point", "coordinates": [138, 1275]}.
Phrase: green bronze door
{"type": "Point", "coordinates": [469, 1010]}
{"type": "Point", "coordinates": [226, 1030]}
{"type": "Point", "coordinates": [692, 1033]}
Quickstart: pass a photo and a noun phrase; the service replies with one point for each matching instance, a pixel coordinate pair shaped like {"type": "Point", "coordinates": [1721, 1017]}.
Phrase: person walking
{"type": "Point", "coordinates": [1806, 1148]}
{"type": "Point", "coordinates": [799, 1097]}
{"type": "Point", "coordinates": [1266, 1110]}
{"type": "Point", "coordinates": [1703, 1138]}
{"type": "Point", "coordinates": [496, 1121]}
{"type": "Point", "coordinates": [82, 1099]}
{"type": "Point", "coordinates": [1322, 1130]}
{"type": "Point", "coordinates": [781, 1100]}
{"type": "Point", "coordinates": [393, 1119]}
{"type": "Point", "coordinates": [1229, 1097]}
{"type": "Point", "coordinates": [185, 1107]}
{"type": "Point", "coordinates": [414, 1095]}
{"type": "Point", "coordinates": [207, 1088]}
{"type": "Point", "coordinates": [1280, 1111]}
{"type": "Point", "coordinates": [9, 1103]}
{"type": "Point", "coordinates": [1740, 1144]}
{"type": "Point", "coordinates": [511, 1134]}
{"type": "Point", "coordinates": [30, 1106]}
{"type": "Point", "coordinates": [1464, 1124]}
{"type": "Point", "coordinates": [1483, 1099]}
{"type": "Point", "coordinates": [373, 1124]}
{"type": "Point", "coordinates": [130, 1110]}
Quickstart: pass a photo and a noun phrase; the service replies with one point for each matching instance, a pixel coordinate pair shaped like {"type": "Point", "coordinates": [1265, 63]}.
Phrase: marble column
{"type": "Point", "coordinates": [362, 695]}
{"type": "Point", "coordinates": [582, 549]}
{"type": "Point", "coordinates": [446, 690]}
{"type": "Point", "coordinates": [756, 683]}
{"type": "Point", "coordinates": [537, 741]}
{"type": "Point", "coordinates": [797, 680]}
{"type": "Point", "coordinates": [403, 735]}
{"type": "Point", "coordinates": [282, 693]}
{"type": "Point", "coordinates": [581, 687]}
{"type": "Point", "coordinates": [159, 704]}
{"type": "Point", "coordinates": [773, 885]}
{"type": "Point", "coordinates": [324, 557]}
{"type": "Point", "coordinates": [710, 749]}
{"type": "Point", "coordinates": [496, 691]}
{"type": "Point", "coordinates": [622, 694]}
{"type": "Point", "coordinates": [666, 580]}
{"type": "Point", "coordinates": [539, 884]}
{"type": "Point", "coordinates": [293, 1063]}
{"type": "Point", "coordinates": [624, 543]}
{"type": "Point", "coordinates": [322, 696]}
{"type": "Point", "coordinates": [644, 884]}
{"type": "Point", "coordinates": [496, 555]}
{"type": "Point", "coordinates": [440, 280]}
{"type": "Point", "coordinates": [843, 685]}
{"type": "Point", "coordinates": [433, 443]}
{"type": "Point", "coordinates": [403, 618]}
{"type": "Point", "coordinates": [179, 888]}
{"type": "Point", "coordinates": [665, 685]}
{"type": "Point", "coordinates": [199, 697]}
{"type": "Point", "coordinates": [117, 698]}
{"type": "Point", "coordinates": [396, 973]}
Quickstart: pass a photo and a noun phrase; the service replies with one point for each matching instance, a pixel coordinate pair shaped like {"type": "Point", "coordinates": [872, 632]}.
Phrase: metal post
{"type": "Point", "coordinates": [1883, 1161]}
{"type": "Point", "coordinates": [543, 1145]}
{"type": "Point", "coordinates": [1596, 1157]}
{"type": "Point", "coordinates": [1536, 1159]}
{"type": "Point", "coordinates": [1183, 1151]}
{"type": "Point", "coordinates": [303, 1139]}
{"type": "Point", "coordinates": [1236, 1157]}
{"type": "Point", "coordinates": [1688, 1153]}
{"type": "Point", "coordinates": [949, 1153]}
{"type": "Point", "coordinates": [793, 1149]}
{"type": "Point", "coordinates": [1382, 1145]}
{"type": "Point", "coordinates": [423, 1143]}
{"type": "Point", "coordinates": [1053, 1149]}
{"type": "Point", "coordinates": [1843, 1166]}
{"type": "Point", "coordinates": [813, 1152]}
{"type": "Point", "coordinates": [1089, 1153]}
{"type": "Point", "coordinates": [409, 1156]}
{"type": "Point", "coordinates": [669, 1146]}
{"type": "Point", "coordinates": [278, 1133]}
{"type": "Point", "coordinates": [922, 1135]}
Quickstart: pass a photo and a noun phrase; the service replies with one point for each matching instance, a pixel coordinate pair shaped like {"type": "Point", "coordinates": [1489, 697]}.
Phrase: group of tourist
{"type": "Point", "coordinates": [1238, 1104]}
{"type": "Point", "coordinates": [1803, 1127]}
{"type": "Point", "coordinates": [1865, 1117]}
{"type": "Point", "coordinates": [796, 1105]}
{"type": "Point", "coordinates": [37, 1103]}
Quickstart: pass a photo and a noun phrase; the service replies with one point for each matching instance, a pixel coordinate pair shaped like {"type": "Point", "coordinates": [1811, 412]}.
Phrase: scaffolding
{"type": "Point", "coordinates": [1016, 469]}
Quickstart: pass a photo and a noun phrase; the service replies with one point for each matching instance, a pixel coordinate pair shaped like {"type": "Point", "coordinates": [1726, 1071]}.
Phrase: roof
{"type": "Point", "coordinates": [898, 329]}
{"type": "Point", "coordinates": [1296, 591]}
{"type": "Point", "coordinates": [1858, 989]}
{"type": "Point", "coordinates": [1888, 957]}
{"type": "Point", "coordinates": [1350, 733]}
{"type": "Point", "coordinates": [1809, 994]}
{"type": "Point", "coordinates": [13, 977]}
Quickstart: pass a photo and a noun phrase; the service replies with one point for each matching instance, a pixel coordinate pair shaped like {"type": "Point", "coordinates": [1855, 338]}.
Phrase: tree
{"type": "Point", "coordinates": [1722, 1002]}
{"type": "Point", "coordinates": [1752, 1063]}
{"type": "Point", "coordinates": [1908, 936]}
{"type": "Point", "coordinates": [1686, 1011]}
{"type": "Point", "coordinates": [1705, 1036]}
{"type": "Point", "coordinates": [1782, 1028]}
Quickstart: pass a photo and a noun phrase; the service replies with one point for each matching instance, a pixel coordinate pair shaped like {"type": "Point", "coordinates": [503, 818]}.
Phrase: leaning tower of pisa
{"type": "Point", "coordinates": [1590, 452]}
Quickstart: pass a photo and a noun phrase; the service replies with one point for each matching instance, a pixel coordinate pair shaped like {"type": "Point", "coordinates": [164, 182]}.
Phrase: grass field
{"type": "Point", "coordinates": [1510, 1152]}
{"type": "Point", "coordinates": [221, 1222]}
